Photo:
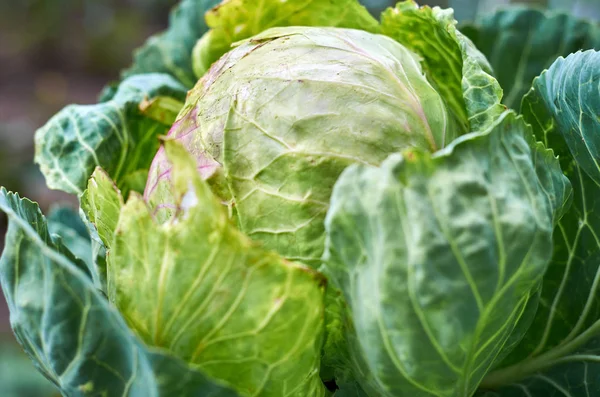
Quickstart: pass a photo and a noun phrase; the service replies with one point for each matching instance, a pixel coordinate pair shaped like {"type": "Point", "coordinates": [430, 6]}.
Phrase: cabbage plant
{"type": "Point", "coordinates": [293, 198]}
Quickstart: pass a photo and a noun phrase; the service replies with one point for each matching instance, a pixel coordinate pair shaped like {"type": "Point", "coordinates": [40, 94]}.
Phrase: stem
{"type": "Point", "coordinates": [530, 366]}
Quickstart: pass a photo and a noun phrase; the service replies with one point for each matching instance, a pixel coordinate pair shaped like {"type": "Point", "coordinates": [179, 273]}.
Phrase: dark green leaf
{"type": "Point", "coordinates": [559, 355]}
{"type": "Point", "coordinates": [66, 224]}
{"type": "Point", "coordinates": [438, 256]}
{"type": "Point", "coordinates": [113, 134]}
{"type": "Point", "coordinates": [521, 42]}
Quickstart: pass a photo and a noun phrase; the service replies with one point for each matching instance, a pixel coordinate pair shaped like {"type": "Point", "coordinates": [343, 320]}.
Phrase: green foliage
{"type": "Point", "coordinates": [74, 336]}
{"type": "Point", "coordinates": [559, 352]}
{"type": "Point", "coordinates": [339, 203]}
{"type": "Point", "coordinates": [521, 42]}
{"type": "Point", "coordinates": [116, 135]}
{"type": "Point", "coordinates": [400, 230]}
{"type": "Point", "coordinates": [237, 301]}
{"type": "Point", "coordinates": [454, 66]}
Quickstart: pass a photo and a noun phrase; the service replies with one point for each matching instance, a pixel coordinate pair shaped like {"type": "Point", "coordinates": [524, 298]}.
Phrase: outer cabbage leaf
{"type": "Point", "coordinates": [198, 287]}
{"type": "Point", "coordinates": [451, 62]}
{"type": "Point", "coordinates": [236, 20]}
{"type": "Point", "coordinates": [346, 96]}
{"type": "Point", "coordinates": [440, 255]}
{"type": "Point", "coordinates": [521, 42]}
{"type": "Point", "coordinates": [570, 92]}
{"type": "Point", "coordinates": [115, 135]}
{"type": "Point", "coordinates": [73, 335]}
{"type": "Point", "coordinates": [65, 223]}
{"type": "Point", "coordinates": [171, 51]}
{"type": "Point", "coordinates": [559, 355]}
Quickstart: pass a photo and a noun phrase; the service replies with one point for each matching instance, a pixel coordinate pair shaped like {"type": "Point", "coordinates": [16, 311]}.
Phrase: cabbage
{"type": "Point", "coordinates": [293, 198]}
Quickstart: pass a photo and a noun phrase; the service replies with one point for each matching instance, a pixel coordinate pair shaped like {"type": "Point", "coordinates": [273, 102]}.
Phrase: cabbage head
{"type": "Point", "coordinates": [278, 118]}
